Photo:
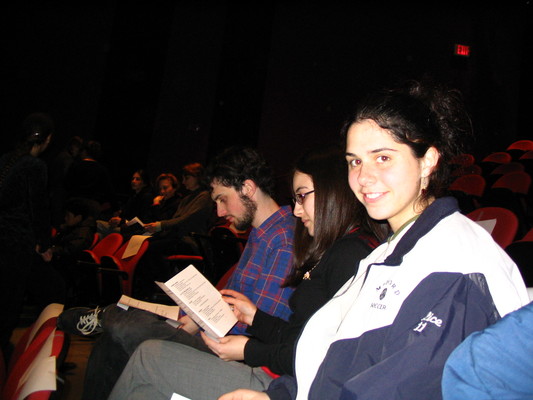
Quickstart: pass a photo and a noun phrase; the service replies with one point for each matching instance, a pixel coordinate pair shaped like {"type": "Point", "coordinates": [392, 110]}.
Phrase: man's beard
{"type": "Point", "coordinates": [242, 224]}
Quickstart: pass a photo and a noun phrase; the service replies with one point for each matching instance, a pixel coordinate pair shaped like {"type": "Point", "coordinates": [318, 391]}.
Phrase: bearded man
{"type": "Point", "coordinates": [242, 187]}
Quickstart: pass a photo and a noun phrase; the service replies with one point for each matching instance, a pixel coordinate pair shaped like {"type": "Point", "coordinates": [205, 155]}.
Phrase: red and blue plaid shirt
{"type": "Point", "coordinates": [264, 264]}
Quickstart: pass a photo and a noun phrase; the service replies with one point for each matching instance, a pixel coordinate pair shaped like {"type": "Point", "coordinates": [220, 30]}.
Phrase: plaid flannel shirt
{"type": "Point", "coordinates": [264, 264]}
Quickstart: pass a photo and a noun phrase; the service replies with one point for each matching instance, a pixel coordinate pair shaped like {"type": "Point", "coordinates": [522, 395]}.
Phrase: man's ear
{"type": "Point", "coordinates": [249, 188]}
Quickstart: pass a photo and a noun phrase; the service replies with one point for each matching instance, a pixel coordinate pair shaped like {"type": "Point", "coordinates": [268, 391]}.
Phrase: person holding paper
{"type": "Point", "coordinates": [138, 205]}
{"type": "Point", "coordinates": [242, 184]}
{"type": "Point", "coordinates": [194, 213]}
{"type": "Point", "coordinates": [332, 235]}
{"type": "Point", "coordinates": [388, 332]}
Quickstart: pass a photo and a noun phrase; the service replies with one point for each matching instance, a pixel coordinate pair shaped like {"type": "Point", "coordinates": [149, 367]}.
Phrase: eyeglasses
{"type": "Point", "coordinates": [299, 197]}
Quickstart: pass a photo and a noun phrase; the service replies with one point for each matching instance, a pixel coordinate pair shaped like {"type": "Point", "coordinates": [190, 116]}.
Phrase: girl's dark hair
{"type": "Point", "coordinates": [36, 128]}
{"type": "Point", "coordinates": [337, 210]}
{"type": "Point", "coordinates": [421, 115]}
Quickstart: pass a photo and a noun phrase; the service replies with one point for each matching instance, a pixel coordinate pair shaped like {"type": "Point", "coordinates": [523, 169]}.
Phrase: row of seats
{"type": "Point", "coordinates": [115, 269]}
{"type": "Point", "coordinates": [497, 189]}
{"type": "Point", "coordinates": [500, 179]}
{"type": "Point", "coordinates": [31, 373]}
{"type": "Point", "coordinates": [503, 224]}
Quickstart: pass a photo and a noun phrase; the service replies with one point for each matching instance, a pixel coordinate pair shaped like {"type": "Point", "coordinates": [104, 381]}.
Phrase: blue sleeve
{"type": "Point", "coordinates": [282, 388]}
{"type": "Point", "coordinates": [496, 363]}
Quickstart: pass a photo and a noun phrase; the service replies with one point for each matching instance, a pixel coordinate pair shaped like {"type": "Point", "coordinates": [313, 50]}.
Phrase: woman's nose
{"type": "Point", "coordinates": [298, 210]}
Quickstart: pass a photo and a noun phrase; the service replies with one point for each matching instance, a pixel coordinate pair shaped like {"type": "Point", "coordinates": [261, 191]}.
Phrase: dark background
{"type": "Point", "coordinates": [164, 83]}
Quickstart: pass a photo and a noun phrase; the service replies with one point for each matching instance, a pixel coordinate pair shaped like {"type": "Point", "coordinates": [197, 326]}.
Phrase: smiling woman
{"type": "Point", "coordinates": [389, 330]}
{"type": "Point", "coordinates": [384, 175]}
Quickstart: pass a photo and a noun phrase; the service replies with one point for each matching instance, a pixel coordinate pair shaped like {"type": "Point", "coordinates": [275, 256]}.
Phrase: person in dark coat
{"type": "Point", "coordinates": [24, 216]}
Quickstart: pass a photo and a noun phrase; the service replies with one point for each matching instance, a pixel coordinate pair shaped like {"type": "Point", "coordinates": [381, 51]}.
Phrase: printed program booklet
{"type": "Point", "coordinates": [201, 301]}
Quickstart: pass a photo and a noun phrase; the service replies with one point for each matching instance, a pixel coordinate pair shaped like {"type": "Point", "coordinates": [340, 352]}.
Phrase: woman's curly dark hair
{"type": "Point", "coordinates": [421, 115]}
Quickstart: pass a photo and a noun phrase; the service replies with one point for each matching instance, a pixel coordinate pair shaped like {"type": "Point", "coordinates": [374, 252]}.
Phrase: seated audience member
{"type": "Point", "coordinates": [58, 278]}
{"type": "Point", "coordinates": [332, 235]}
{"type": "Point", "coordinates": [164, 205]}
{"type": "Point", "coordinates": [493, 364]}
{"type": "Point", "coordinates": [88, 178]}
{"type": "Point", "coordinates": [138, 205]}
{"type": "Point", "coordinates": [195, 213]}
{"type": "Point", "coordinates": [74, 236]}
{"type": "Point", "coordinates": [242, 185]}
{"type": "Point", "coordinates": [388, 331]}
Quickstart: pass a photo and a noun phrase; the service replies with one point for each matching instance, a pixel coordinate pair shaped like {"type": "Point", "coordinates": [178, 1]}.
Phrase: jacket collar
{"type": "Point", "coordinates": [432, 215]}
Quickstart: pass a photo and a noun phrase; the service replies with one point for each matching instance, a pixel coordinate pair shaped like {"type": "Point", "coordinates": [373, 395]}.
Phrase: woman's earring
{"type": "Point", "coordinates": [424, 185]}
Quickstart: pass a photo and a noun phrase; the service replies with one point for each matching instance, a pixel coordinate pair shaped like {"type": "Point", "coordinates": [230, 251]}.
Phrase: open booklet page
{"type": "Point", "coordinates": [201, 301]}
{"type": "Point", "coordinates": [170, 312]}
{"type": "Point", "coordinates": [133, 221]}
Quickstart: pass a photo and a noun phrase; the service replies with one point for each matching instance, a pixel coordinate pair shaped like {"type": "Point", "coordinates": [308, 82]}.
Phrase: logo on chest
{"type": "Point", "coordinates": [383, 293]}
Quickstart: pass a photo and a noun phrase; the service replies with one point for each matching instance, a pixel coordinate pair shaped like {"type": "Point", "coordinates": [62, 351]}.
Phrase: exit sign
{"type": "Point", "coordinates": [462, 50]}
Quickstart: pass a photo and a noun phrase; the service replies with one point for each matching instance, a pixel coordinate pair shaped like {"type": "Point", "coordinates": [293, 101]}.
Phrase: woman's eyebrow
{"type": "Point", "coordinates": [348, 154]}
{"type": "Point", "coordinates": [382, 149]}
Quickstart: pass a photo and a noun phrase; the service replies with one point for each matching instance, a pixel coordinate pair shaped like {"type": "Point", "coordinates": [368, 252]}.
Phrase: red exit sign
{"type": "Point", "coordinates": [462, 50]}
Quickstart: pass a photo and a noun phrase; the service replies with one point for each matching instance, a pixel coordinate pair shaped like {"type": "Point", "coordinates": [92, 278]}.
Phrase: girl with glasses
{"type": "Point", "coordinates": [332, 235]}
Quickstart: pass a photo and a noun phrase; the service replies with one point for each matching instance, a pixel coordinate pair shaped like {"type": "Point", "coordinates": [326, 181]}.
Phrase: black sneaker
{"type": "Point", "coordinates": [80, 321]}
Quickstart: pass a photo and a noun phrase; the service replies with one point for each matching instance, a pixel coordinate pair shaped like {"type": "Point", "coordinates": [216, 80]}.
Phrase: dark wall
{"type": "Point", "coordinates": [323, 59]}
{"type": "Point", "coordinates": [53, 60]}
{"type": "Point", "coordinates": [165, 83]}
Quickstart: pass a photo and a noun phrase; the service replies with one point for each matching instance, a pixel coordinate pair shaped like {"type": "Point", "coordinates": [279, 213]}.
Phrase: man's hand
{"type": "Point", "coordinates": [189, 325]}
{"type": "Point", "coordinates": [229, 348]}
{"type": "Point", "coordinates": [243, 308]}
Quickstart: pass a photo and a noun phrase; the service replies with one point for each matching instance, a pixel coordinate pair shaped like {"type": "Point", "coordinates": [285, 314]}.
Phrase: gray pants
{"type": "Point", "coordinates": [159, 368]}
{"type": "Point", "coordinates": [123, 332]}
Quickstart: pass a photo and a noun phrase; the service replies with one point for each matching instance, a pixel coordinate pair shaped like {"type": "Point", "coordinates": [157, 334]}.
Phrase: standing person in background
{"type": "Point", "coordinates": [89, 178]}
{"type": "Point", "coordinates": [58, 168]}
{"type": "Point", "coordinates": [24, 216]}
